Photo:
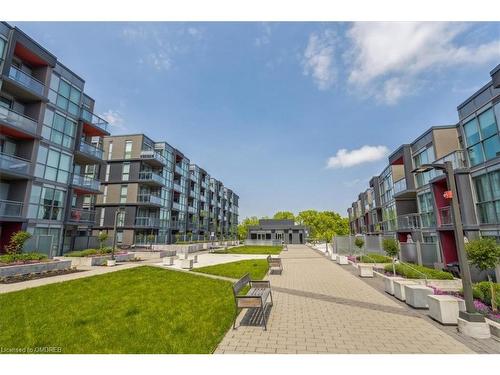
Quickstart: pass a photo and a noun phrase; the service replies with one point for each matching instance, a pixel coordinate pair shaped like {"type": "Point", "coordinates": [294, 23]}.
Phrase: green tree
{"type": "Point", "coordinates": [17, 241]}
{"type": "Point", "coordinates": [323, 225]}
{"type": "Point", "coordinates": [391, 247]}
{"type": "Point", "coordinates": [243, 227]}
{"type": "Point", "coordinates": [484, 253]}
{"type": "Point", "coordinates": [284, 215]}
{"type": "Point", "coordinates": [102, 237]}
{"type": "Point", "coordinates": [359, 242]}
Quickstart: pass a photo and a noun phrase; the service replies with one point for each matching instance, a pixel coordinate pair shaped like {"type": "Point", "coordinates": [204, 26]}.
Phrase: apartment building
{"type": "Point", "coordinates": [158, 196]}
{"type": "Point", "coordinates": [50, 147]}
{"type": "Point", "coordinates": [412, 207]}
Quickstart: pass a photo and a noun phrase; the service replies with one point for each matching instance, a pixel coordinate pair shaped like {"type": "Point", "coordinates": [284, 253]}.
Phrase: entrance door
{"type": "Point", "coordinates": [290, 238]}
{"type": "Point", "coordinates": [300, 238]}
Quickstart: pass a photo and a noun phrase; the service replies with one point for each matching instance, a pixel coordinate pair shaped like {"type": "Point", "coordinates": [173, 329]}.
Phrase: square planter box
{"type": "Point", "coordinates": [416, 295]}
{"type": "Point", "coordinates": [124, 257]}
{"type": "Point", "coordinates": [187, 264]}
{"type": "Point", "coordinates": [99, 260]}
{"type": "Point", "coordinates": [334, 256]}
{"type": "Point", "coordinates": [399, 288]}
{"type": "Point", "coordinates": [389, 283]}
{"type": "Point", "coordinates": [195, 258]}
{"type": "Point", "coordinates": [444, 308]}
{"type": "Point", "coordinates": [476, 330]}
{"type": "Point", "coordinates": [342, 259]}
{"type": "Point", "coordinates": [168, 261]}
{"type": "Point", "coordinates": [494, 329]}
{"type": "Point", "coordinates": [365, 270]}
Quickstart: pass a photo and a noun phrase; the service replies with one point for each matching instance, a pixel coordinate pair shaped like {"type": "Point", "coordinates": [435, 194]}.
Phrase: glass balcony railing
{"type": "Point", "coordinates": [175, 224]}
{"type": "Point", "coordinates": [148, 198]}
{"type": "Point", "coordinates": [18, 120]}
{"type": "Point", "coordinates": [26, 80]}
{"type": "Point", "coordinates": [191, 209]}
{"type": "Point", "coordinates": [14, 164]}
{"type": "Point", "coordinates": [410, 221]}
{"type": "Point", "coordinates": [179, 170]}
{"type": "Point", "coordinates": [457, 158]}
{"type": "Point", "coordinates": [177, 187]}
{"type": "Point", "coordinates": [176, 206]}
{"type": "Point", "coordinates": [92, 150]}
{"type": "Point", "coordinates": [148, 222]}
{"type": "Point", "coordinates": [151, 176]}
{"type": "Point", "coordinates": [445, 216]}
{"type": "Point", "coordinates": [153, 155]}
{"type": "Point", "coordinates": [10, 208]}
{"type": "Point", "coordinates": [399, 186]}
{"type": "Point", "coordinates": [93, 119]}
{"type": "Point", "coordinates": [78, 215]}
{"type": "Point", "coordinates": [86, 182]}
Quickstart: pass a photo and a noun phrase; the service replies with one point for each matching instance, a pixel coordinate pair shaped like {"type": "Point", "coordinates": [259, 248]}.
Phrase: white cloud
{"type": "Point", "coordinates": [366, 154]}
{"type": "Point", "coordinates": [265, 36]}
{"type": "Point", "coordinates": [388, 59]}
{"type": "Point", "coordinates": [318, 59]}
{"type": "Point", "coordinates": [115, 119]}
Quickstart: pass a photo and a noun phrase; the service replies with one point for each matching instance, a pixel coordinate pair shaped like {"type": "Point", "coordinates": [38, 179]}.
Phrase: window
{"type": "Point", "coordinates": [106, 178]}
{"type": "Point", "coordinates": [128, 149]}
{"type": "Point", "coordinates": [488, 197]}
{"type": "Point", "coordinates": [482, 137]}
{"type": "Point", "coordinates": [123, 193]}
{"type": "Point", "coordinates": [105, 194]}
{"type": "Point", "coordinates": [46, 202]}
{"type": "Point", "coordinates": [58, 128]}
{"type": "Point", "coordinates": [119, 236]}
{"type": "Point", "coordinates": [53, 165]}
{"type": "Point", "coordinates": [125, 171]}
{"type": "Point", "coordinates": [120, 219]}
{"type": "Point", "coordinates": [424, 157]}
{"type": "Point", "coordinates": [101, 219]}
{"type": "Point", "coordinates": [110, 150]}
{"type": "Point", "coordinates": [426, 209]}
{"type": "Point", "coordinates": [64, 95]}
{"type": "Point", "coordinates": [2, 47]}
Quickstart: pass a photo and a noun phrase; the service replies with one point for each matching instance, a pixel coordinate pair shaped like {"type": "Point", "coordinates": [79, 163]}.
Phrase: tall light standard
{"type": "Point", "coordinates": [117, 212]}
{"type": "Point", "coordinates": [470, 315]}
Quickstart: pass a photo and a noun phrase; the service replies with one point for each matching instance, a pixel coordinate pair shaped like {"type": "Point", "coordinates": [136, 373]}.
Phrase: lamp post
{"type": "Point", "coordinates": [470, 315]}
{"type": "Point", "coordinates": [117, 212]}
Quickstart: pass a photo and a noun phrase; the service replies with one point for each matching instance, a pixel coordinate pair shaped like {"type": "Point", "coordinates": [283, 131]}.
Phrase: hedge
{"type": "Point", "coordinates": [410, 273]}
{"type": "Point", "coordinates": [374, 258]}
{"type": "Point", "coordinates": [88, 252]}
{"type": "Point", "coordinates": [22, 257]}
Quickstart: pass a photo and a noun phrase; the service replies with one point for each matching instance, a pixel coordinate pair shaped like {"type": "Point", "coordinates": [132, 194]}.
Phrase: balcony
{"type": "Point", "coordinates": [149, 199]}
{"type": "Point", "coordinates": [28, 82]}
{"type": "Point", "coordinates": [457, 159]}
{"type": "Point", "coordinates": [93, 124]}
{"type": "Point", "coordinates": [179, 170]}
{"type": "Point", "coordinates": [13, 167]}
{"type": "Point", "coordinates": [203, 198]}
{"type": "Point", "coordinates": [445, 216]}
{"type": "Point", "coordinates": [11, 209]}
{"type": "Point", "coordinates": [191, 209]}
{"type": "Point", "coordinates": [151, 178]}
{"type": "Point", "coordinates": [18, 125]}
{"type": "Point", "coordinates": [86, 184]}
{"type": "Point", "coordinates": [147, 222]}
{"type": "Point", "coordinates": [81, 216]}
{"type": "Point", "coordinates": [176, 206]}
{"type": "Point", "coordinates": [409, 222]}
{"type": "Point", "coordinates": [87, 153]}
{"type": "Point", "coordinates": [175, 224]}
{"type": "Point", "coordinates": [153, 158]}
{"type": "Point", "coordinates": [177, 187]}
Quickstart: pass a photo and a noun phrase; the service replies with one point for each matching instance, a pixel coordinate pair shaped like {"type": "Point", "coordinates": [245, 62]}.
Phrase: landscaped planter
{"type": "Point", "coordinates": [389, 283]}
{"type": "Point", "coordinates": [445, 308]}
{"type": "Point", "coordinates": [111, 262]}
{"type": "Point", "coordinates": [365, 270]}
{"type": "Point", "coordinates": [153, 254]}
{"type": "Point", "coordinates": [342, 260]}
{"type": "Point", "coordinates": [168, 261]}
{"type": "Point", "coordinates": [90, 261]}
{"type": "Point", "coordinates": [494, 329]}
{"type": "Point", "coordinates": [124, 257]}
{"type": "Point", "coordinates": [416, 295]}
{"type": "Point", "coordinates": [32, 268]}
{"type": "Point", "coordinates": [187, 264]}
{"type": "Point", "coordinates": [399, 288]}
{"type": "Point", "coordinates": [334, 256]}
{"type": "Point", "coordinates": [454, 285]}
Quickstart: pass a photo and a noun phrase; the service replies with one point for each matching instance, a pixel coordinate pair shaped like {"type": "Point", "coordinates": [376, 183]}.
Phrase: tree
{"type": "Point", "coordinates": [243, 227]}
{"type": "Point", "coordinates": [484, 253]}
{"type": "Point", "coordinates": [323, 225]}
{"type": "Point", "coordinates": [284, 215]}
{"type": "Point", "coordinates": [102, 237]}
{"type": "Point", "coordinates": [17, 241]}
{"type": "Point", "coordinates": [150, 238]}
{"type": "Point", "coordinates": [391, 248]}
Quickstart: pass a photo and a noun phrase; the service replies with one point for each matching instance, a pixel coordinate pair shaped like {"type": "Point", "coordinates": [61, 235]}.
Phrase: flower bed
{"type": "Point", "coordinates": [416, 271]}
{"type": "Point", "coordinates": [23, 258]}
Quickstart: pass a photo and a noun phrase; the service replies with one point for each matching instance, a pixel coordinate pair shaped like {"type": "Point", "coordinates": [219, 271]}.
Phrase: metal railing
{"type": "Point", "coordinates": [78, 215]}
{"type": "Point", "coordinates": [27, 80]}
{"type": "Point", "coordinates": [18, 120]}
{"type": "Point", "coordinates": [179, 170]}
{"type": "Point", "coordinates": [457, 158]}
{"type": "Point", "coordinates": [11, 163]}
{"type": "Point", "coordinates": [191, 209]}
{"type": "Point", "coordinates": [11, 208]}
{"type": "Point", "coordinates": [90, 149]}
{"type": "Point", "coordinates": [147, 222]}
{"type": "Point", "coordinates": [410, 221]}
{"type": "Point", "coordinates": [176, 206]}
{"type": "Point", "coordinates": [177, 187]}
{"type": "Point", "coordinates": [86, 182]}
{"type": "Point", "coordinates": [399, 186]}
{"type": "Point", "coordinates": [445, 216]}
{"type": "Point", "coordinates": [148, 198]}
{"type": "Point", "coordinates": [93, 119]}
{"type": "Point", "coordinates": [153, 155]}
{"type": "Point", "coordinates": [150, 176]}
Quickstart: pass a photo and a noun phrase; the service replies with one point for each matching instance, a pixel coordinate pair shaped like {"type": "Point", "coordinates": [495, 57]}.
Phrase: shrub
{"type": "Point", "coordinates": [359, 242]}
{"type": "Point", "coordinates": [482, 291]}
{"type": "Point", "coordinates": [17, 241]}
{"type": "Point", "coordinates": [416, 271]}
{"type": "Point", "coordinates": [102, 237]}
{"type": "Point", "coordinates": [24, 257]}
{"type": "Point", "coordinates": [374, 258]}
{"type": "Point", "coordinates": [391, 247]}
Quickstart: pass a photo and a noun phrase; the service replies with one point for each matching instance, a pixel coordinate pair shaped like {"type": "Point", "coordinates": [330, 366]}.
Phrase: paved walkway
{"type": "Point", "coordinates": [321, 308]}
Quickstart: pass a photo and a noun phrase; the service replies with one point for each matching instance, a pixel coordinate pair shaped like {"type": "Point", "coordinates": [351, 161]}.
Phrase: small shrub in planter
{"type": "Point", "coordinates": [410, 273]}
{"type": "Point", "coordinates": [359, 242]}
{"type": "Point", "coordinates": [22, 258]}
{"type": "Point", "coordinates": [17, 241]}
{"type": "Point", "coordinates": [374, 258]}
{"type": "Point", "coordinates": [391, 248]}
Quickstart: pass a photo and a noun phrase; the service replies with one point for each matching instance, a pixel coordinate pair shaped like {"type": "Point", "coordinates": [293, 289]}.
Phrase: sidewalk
{"type": "Point", "coordinates": [321, 308]}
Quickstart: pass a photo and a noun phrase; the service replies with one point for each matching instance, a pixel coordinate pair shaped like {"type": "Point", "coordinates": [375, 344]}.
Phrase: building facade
{"type": "Point", "coordinates": [412, 207]}
{"type": "Point", "coordinates": [50, 147]}
{"type": "Point", "coordinates": [160, 196]}
{"type": "Point", "coordinates": [275, 232]}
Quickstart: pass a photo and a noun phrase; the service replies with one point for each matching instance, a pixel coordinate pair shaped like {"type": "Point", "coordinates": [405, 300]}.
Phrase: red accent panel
{"type": "Point", "coordinates": [28, 56]}
{"type": "Point", "coordinates": [15, 133]}
{"type": "Point", "coordinates": [447, 239]}
{"type": "Point", "coordinates": [93, 131]}
{"type": "Point", "coordinates": [398, 161]}
{"type": "Point", "coordinates": [7, 230]}
{"type": "Point", "coordinates": [403, 236]}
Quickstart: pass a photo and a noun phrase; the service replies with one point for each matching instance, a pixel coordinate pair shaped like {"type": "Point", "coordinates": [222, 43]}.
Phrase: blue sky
{"type": "Point", "coordinates": [291, 116]}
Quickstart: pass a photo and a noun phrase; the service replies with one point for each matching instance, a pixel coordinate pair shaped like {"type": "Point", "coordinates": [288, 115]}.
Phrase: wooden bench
{"type": "Point", "coordinates": [255, 298]}
{"type": "Point", "coordinates": [275, 265]}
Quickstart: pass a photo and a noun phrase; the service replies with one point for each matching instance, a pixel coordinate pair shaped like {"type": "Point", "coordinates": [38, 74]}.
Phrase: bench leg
{"type": "Point", "coordinates": [264, 318]}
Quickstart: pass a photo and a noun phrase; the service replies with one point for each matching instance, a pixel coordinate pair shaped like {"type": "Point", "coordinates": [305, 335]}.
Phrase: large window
{"type": "Point", "coordinates": [65, 95]}
{"type": "Point", "coordinates": [2, 47]}
{"type": "Point", "coordinates": [426, 209]}
{"type": "Point", "coordinates": [123, 193]}
{"type": "Point", "coordinates": [125, 171]}
{"type": "Point", "coordinates": [488, 197]}
{"type": "Point", "coordinates": [483, 141]}
{"type": "Point", "coordinates": [53, 165]}
{"type": "Point", "coordinates": [128, 150]}
{"type": "Point", "coordinates": [424, 157]}
{"type": "Point", "coordinates": [58, 128]}
{"type": "Point", "coordinates": [46, 202]}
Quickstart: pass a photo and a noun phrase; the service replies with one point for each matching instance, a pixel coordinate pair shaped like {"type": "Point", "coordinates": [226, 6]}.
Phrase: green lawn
{"type": "Point", "coordinates": [271, 250]}
{"type": "Point", "coordinates": [138, 310]}
{"type": "Point", "coordinates": [257, 268]}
